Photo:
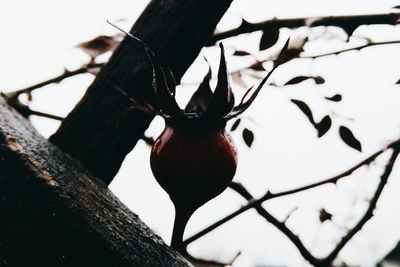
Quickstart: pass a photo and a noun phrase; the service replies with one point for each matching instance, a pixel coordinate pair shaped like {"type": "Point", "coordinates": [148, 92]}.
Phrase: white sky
{"type": "Point", "coordinates": [38, 42]}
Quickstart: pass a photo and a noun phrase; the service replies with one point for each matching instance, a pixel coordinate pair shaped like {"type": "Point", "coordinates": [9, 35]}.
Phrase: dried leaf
{"type": "Point", "coordinates": [323, 126]}
{"type": "Point", "coordinates": [241, 53]}
{"type": "Point", "coordinates": [297, 79]}
{"type": "Point", "coordinates": [268, 38]}
{"type": "Point", "coordinates": [305, 109]}
{"type": "Point", "coordinates": [324, 216]}
{"type": "Point", "coordinates": [335, 98]}
{"type": "Point", "coordinates": [99, 45]}
{"type": "Point", "coordinates": [258, 66]}
{"type": "Point", "coordinates": [248, 137]}
{"type": "Point", "coordinates": [348, 137]}
{"type": "Point", "coordinates": [235, 125]}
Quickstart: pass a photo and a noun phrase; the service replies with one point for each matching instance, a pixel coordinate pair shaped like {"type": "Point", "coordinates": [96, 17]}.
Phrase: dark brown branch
{"type": "Point", "coordinates": [372, 205]}
{"type": "Point", "coordinates": [101, 130]}
{"type": "Point", "coordinates": [269, 195]}
{"type": "Point", "coordinates": [340, 21]}
{"type": "Point", "coordinates": [240, 189]}
{"type": "Point", "coordinates": [55, 213]}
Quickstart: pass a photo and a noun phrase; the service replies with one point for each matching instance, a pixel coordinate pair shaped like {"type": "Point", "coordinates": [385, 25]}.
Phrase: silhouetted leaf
{"type": "Point", "coordinates": [299, 79]}
{"type": "Point", "coordinates": [268, 38]}
{"type": "Point", "coordinates": [318, 79]}
{"type": "Point", "coordinates": [335, 98]}
{"type": "Point", "coordinates": [235, 125]}
{"type": "Point", "coordinates": [241, 53]}
{"type": "Point", "coordinates": [324, 216]}
{"type": "Point", "coordinates": [323, 126]}
{"type": "Point", "coordinates": [305, 109]}
{"type": "Point", "coordinates": [348, 137]}
{"type": "Point", "coordinates": [296, 80]}
{"type": "Point", "coordinates": [397, 7]}
{"type": "Point", "coordinates": [258, 66]}
{"type": "Point", "coordinates": [398, 82]}
{"type": "Point", "coordinates": [248, 137]}
{"type": "Point", "coordinates": [99, 45]}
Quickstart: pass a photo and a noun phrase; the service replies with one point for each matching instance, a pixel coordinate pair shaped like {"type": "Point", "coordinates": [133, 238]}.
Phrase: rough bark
{"type": "Point", "coordinates": [101, 129]}
{"type": "Point", "coordinates": [55, 213]}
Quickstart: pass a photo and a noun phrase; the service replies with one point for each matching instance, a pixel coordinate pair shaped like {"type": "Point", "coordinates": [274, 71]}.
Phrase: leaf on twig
{"type": "Point", "coordinates": [349, 139]}
{"type": "Point", "coordinates": [299, 79]}
{"type": "Point", "coordinates": [323, 126]}
{"type": "Point", "coordinates": [258, 66]}
{"type": "Point", "coordinates": [268, 38]}
{"type": "Point", "coordinates": [99, 45]}
{"type": "Point", "coordinates": [248, 137]}
{"type": "Point", "coordinates": [235, 125]}
{"type": "Point", "coordinates": [305, 109]}
{"type": "Point", "coordinates": [241, 53]}
{"type": "Point", "coordinates": [324, 216]}
{"type": "Point", "coordinates": [335, 98]}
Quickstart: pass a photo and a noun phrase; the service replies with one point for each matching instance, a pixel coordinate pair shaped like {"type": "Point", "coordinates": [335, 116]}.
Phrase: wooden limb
{"type": "Point", "coordinates": [55, 213]}
{"type": "Point", "coordinates": [101, 131]}
{"type": "Point", "coordinates": [340, 21]}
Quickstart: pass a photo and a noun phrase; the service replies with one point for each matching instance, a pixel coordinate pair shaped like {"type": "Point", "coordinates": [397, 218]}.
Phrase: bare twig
{"type": "Point", "coordinates": [340, 21]}
{"type": "Point", "coordinates": [269, 195]}
{"type": "Point", "coordinates": [57, 79]}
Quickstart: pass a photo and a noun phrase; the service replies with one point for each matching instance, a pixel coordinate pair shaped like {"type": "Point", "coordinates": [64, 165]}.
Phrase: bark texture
{"type": "Point", "coordinates": [101, 129]}
{"type": "Point", "coordinates": [55, 213]}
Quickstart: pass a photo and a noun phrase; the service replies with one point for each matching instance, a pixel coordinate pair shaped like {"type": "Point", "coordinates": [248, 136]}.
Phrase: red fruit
{"type": "Point", "coordinates": [193, 166]}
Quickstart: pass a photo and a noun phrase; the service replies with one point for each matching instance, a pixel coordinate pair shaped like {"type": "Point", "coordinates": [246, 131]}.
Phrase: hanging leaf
{"type": "Point", "coordinates": [318, 79]}
{"type": "Point", "coordinates": [99, 45]}
{"type": "Point", "coordinates": [235, 125]}
{"type": "Point", "coordinates": [297, 79]}
{"type": "Point", "coordinates": [258, 66]}
{"type": "Point", "coordinates": [348, 137]}
{"type": "Point", "coordinates": [241, 53]}
{"type": "Point", "coordinates": [305, 109]}
{"type": "Point", "coordinates": [268, 38]}
{"type": "Point", "coordinates": [323, 126]}
{"type": "Point", "coordinates": [248, 137]}
{"type": "Point", "coordinates": [324, 216]}
{"type": "Point", "coordinates": [335, 98]}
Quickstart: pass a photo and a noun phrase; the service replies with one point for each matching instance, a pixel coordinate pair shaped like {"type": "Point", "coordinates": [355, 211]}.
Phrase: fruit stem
{"type": "Point", "coordinates": [182, 216]}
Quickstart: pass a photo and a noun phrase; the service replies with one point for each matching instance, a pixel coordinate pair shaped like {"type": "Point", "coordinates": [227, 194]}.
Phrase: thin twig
{"type": "Point", "coordinates": [269, 195]}
{"type": "Point", "coordinates": [340, 21]}
{"type": "Point", "coordinates": [57, 79]}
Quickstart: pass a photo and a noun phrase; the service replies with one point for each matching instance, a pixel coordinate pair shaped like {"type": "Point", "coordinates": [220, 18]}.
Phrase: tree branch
{"type": "Point", "coordinates": [340, 21]}
{"type": "Point", "coordinates": [55, 213]}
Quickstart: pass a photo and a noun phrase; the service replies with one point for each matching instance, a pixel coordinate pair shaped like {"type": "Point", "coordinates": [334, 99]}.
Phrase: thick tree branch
{"type": "Point", "coordinates": [55, 213]}
{"type": "Point", "coordinates": [351, 22]}
{"type": "Point", "coordinates": [101, 130]}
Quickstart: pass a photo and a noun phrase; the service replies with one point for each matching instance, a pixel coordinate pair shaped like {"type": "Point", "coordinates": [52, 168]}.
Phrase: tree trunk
{"type": "Point", "coordinates": [101, 130]}
{"type": "Point", "coordinates": [55, 213]}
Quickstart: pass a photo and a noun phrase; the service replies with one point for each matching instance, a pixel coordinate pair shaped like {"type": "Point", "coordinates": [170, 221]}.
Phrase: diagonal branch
{"type": "Point", "coordinates": [340, 21]}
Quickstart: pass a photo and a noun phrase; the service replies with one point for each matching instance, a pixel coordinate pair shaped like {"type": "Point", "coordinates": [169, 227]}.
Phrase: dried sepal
{"type": "Point", "coordinates": [239, 109]}
{"type": "Point", "coordinates": [201, 98]}
{"type": "Point", "coordinates": [223, 100]}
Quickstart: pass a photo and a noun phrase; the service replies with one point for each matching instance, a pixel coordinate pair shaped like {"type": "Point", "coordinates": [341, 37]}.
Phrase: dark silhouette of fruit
{"type": "Point", "coordinates": [194, 159]}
